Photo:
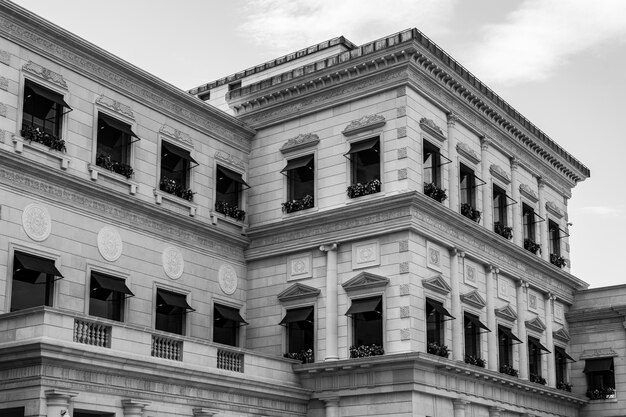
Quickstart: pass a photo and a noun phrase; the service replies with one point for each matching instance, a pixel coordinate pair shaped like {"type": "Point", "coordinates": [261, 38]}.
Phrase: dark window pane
{"type": "Point", "coordinates": [301, 180]}
{"type": "Point", "coordinates": [467, 185]}
{"type": "Point", "coordinates": [169, 318]}
{"type": "Point", "coordinates": [40, 110]}
{"type": "Point", "coordinates": [368, 326]}
{"type": "Point", "coordinates": [228, 190]}
{"type": "Point", "coordinates": [104, 302]}
{"type": "Point", "coordinates": [366, 164]}
{"type": "Point", "coordinates": [529, 222]}
{"type": "Point", "coordinates": [434, 324]}
{"type": "Point", "coordinates": [472, 337]}
{"type": "Point", "coordinates": [173, 165]}
{"type": "Point", "coordinates": [225, 325]}
{"type": "Point", "coordinates": [30, 288]}
{"type": "Point", "coordinates": [499, 206]}
{"type": "Point", "coordinates": [113, 141]}
{"type": "Point", "coordinates": [431, 166]}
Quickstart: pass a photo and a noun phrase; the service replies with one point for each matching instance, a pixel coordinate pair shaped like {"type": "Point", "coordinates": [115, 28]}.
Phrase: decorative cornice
{"type": "Point", "coordinates": [365, 280]}
{"type": "Point", "coordinates": [465, 150]}
{"type": "Point", "coordinates": [115, 106]}
{"type": "Point", "coordinates": [301, 141]}
{"type": "Point", "coordinates": [177, 135]}
{"type": "Point", "coordinates": [437, 284]}
{"type": "Point", "coordinates": [45, 74]}
{"type": "Point", "coordinates": [229, 159]}
{"type": "Point", "coordinates": [562, 335]}
{"type": "Point", "coordinates": [526, 191]}
{"type": "Point", "coordinates": [431, 127]}
{"type": "Point", "coordinates": [554, 209]}
{"type": "Point", "coordinates": [536, 324]}
{"type": "Point", "coordinates": [298, 292]}
{"type": "Point", "coordinates": [506, 313]}
{"type": "Point", "coordinates": [370, 122]}
{"type": "Point", "coordinates": [598, 353]}
{"type": "Point", "coordinates": [498, 172]}
{"type": "Point", "coordinates": [474, 298]}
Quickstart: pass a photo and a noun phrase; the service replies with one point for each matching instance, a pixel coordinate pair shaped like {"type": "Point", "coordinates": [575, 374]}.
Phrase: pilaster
{"type": "Point", "coordinates": [543, 226]}
{"type": "Point", "coordinates": [331, 302]}
{"type": "Point", "coordinates": [521, 328]}
{"type": "Point", "coordinates": [58, 402]}
{"type": "Point", "coordinates": [486, 190]}
{"type": "Point", "coordinates": [453, 171]}
{"type": "Point", "coordinates": [331, 406]}
{"type": "Point", "coordinates": [459, 407]}
{"type": "Point", "coordinates": [134, 408]}
{"type": "Point", "coordinates": [516, 223]}
{"type": "Point", "coordinates": [549, 299]}
{"type": "Point", "coordinates": [457, 324]}
{"type": "Point", "coordinates": [492, 336]}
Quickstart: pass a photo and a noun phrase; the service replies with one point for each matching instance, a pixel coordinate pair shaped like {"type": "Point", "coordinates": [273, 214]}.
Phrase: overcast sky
{"type": "Point", "coordinates": [562, 64]}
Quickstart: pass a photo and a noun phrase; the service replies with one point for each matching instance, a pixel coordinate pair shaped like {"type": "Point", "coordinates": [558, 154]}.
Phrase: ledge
{"type": "Point", "coordinates": [19, 143]}
{"type": "Point", "coordinates": [216, 217]}
{"type": "Point", "coordinates": [96, 171]}
{"type": "Point", "coordinates": [159, 196]}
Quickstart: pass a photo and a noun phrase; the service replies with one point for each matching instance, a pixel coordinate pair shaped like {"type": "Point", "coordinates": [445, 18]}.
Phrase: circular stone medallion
{"type": "Point", "coordinates": [109, 244]}
{"type": "Point", "coordinates": [173, 263]}
{"type": "Point", "coordinates": [36, 222]}
{"type": "Point", "coordinates": [228, 279]}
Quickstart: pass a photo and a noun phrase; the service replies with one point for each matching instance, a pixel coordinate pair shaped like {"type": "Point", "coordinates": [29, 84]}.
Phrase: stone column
{"type": "Point", "coordinates": [492, 337]}
{"type": "Point", "coordinates": [459, 407]}
{"type": "Point", "coordinates": [549, 340]}
{"type": "Point", "coordinates": [134, 408]}
{"type": "Point", "coordinates": [543, 226]}
{"type": "Point", "coordinates": [58, 402]}
{"type": "Point", "coordinates": [331, 406]}
{"type": "Point", "coordinates": [486, 190]}
{"type": "Point", "coordinates": [521, 329]}
{"type": "Point", "coordinates": [453, 171]}
{"type": "Point", "coordinates": [516, 212]}
{"type": "Point", "coordinates": [457, 324]}
{"type": "Point", "coordinates": [331, 301]}
{"type": "Point", "coordinates": [495, 411]}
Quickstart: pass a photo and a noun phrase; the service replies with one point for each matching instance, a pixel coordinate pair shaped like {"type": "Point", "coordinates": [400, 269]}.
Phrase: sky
{"type": "Point", "coordinates": [561, 64]}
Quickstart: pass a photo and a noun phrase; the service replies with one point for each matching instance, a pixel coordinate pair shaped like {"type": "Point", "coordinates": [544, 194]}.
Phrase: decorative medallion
{"type": "Point", "coordinates": [173, 263]}
{"type": "Point", "coordinates": [36, 222]}
{"type": "Point", "coordinates": [433, 256]}
{"type": "Point", "coordinates": [365, 254]}
{"type": "Point", "coordinates": [109, 244]}
{"type": "Point", "coordinates": [299, 266]}
{"type": "Point", "coordinates": [228, 279]}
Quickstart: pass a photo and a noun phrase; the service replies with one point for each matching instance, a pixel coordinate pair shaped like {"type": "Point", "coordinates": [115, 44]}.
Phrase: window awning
{"type": "Point", "coordinates": [229, 313]}
{"type": "Point", "coordinates": [174, 300]}
{"type": "Point", "coordinates": [297, 315]}
{"type": "Point", "coordinates": [510, 334]}
{"type": "Point", "coordinates": [365, 305]}
{"type": "Point", "coordinates": [440, 309]}
{"type": "Point", "coordinates": [476, 321]}
{"type": "Point", "coordinates": [30, 263]}
{"type": "Point", "coordinates": [538, 345]}
{"type": "Point", "coordinates": [116, 124]}
{"type": "Point", "coordinates": [111, 283]}
{"type": "Point", "coordinates": [175, 150]}
{"type": "Point", "coordinates": [599, 365]}
{"type": "Point", "coordinates": [363, 145]}
{"type": "Point", "coordinates": [235, 176]}
{"type": "Point", "coordinates": [50, 95]}
{"type": "Point", "coordinates": [297, 163]}
{"type": "Point", "coordinates": [563, 353]}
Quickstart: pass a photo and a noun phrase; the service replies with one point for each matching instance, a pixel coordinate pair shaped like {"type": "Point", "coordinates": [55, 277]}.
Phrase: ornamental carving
{"type": "Point", "coordinates": [229, 159]}
{"type": "Point", "coordinates": [474, 298]}
{"type": "Point", "coordinates": [173, 263]}
{"type": "Point", "coordinates": [299, 142]}
{"type": "Point", "coordinates": [228, 279]}
{"type": "Point", "coordinates": [365, 254]}
{"type": "Point", "coordinates": [536, 324]}
{"type": "Point", "coordinates": [298, 292]}
{"type": "Point", "coordinates": [109, 244]}
{"type": "Point", "coordinates": [465, 150]}
{"type": "Point", "coordinates": [554, 209]}
{"type": "Point", "coordinates": [36, 222]}
{"type": "Point", "coordinates": [5, 58]}
{"type": "Point", "coordinates": [431, 127]}
{"type": "Point", "coordinates": [299, 266]}
{"type": "Point", "coordinates": [506, 313]}
{"type": "Point", "coordinates": [438, 284]}
{"type": "Point", "coordinates": [499, 172]}
{"type": "Point", "coordinates": [470, 275]}
{"type": "Point", "coordinates": [373, 121]}
{"type": "Point", "coordinates": [2, 135]}
{"type": "Point", "coordinates": [116, 106]}
{"type": "Point", "coordinates": [45, 73]}
{"type": "Point", "coordinates": [528, 192]}
{"type": "Point", "coordinates": [4, 84]}
{"type": "Point", "coordinates": [433, 256]}
{"type": "Point", "coordinates": [365, 280]}
{"type": "Point", "coordinates": [176, 134]}
{"type": "Point", "coordinates": [598, 353]}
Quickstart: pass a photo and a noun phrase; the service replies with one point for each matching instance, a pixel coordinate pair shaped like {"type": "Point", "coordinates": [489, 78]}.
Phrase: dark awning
{"type": "Point", "coordinates": [510, 334]}
{"type": "Point", "coordinates": [297, 315]}
{"type": "Point", "coordinates": [235, 176]}
{"type": "Point", "coordinates": [116, 124]}
{"type": "Point", "coordinates": [364, 305]}
{"type": "Point", "coordinates": [538, 345]}
{"type": "Point", "coordinates": [476, 321]}
{"type": "Point", "coordinates": [566, 355]}
{"type": "Point", "coordinates": [362, 146]}
{"type": "Point", "coordinates": [297, 163]}
{"type": "Point", "coordinates": [174, 300]}
{"type": "Point", "coordinates": [229, 313]}
{"type": "Point", "coordinates": [26, 263]}
{"type": "Point", "coordinates": [599, 365]}
{"type": "Point", "coordinates": [175, 150]}
{"type": "Point", "coordinates": [111, 283]}
{"type": "Point", "coordinates": [48, 94]}
{"type": "Point", "coordinates": [440, 309]}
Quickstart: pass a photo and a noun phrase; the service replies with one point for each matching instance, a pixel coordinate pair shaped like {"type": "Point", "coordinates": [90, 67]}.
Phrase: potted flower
{"type": "Point", "coordinates": [565, 386]}
{"type": "Point", "coordinates": [470, 212]}
{"type": "Point", "coordinates": [538, 379]}
{"type": "Point", "coordinates": [434, 192]}
{"type": "Point", "coordinates": [358, 189]}
{"type": "Point", "coordinates": [305, 356]}
{"type": "Point", "coordinates": [435, 348]}
{"type": "Point", "coordinates": [104, 160]}
{"type": "Point", "coordinates": [303, 203]}
{"type": "Point", "coordinates": [364, 351]}
{"type": "Point", "coordinates": [601, 393]}
{"type": "Point", "coordinates": [509, 370]}
{"type": "Point", "coordinates": [229, 210]}
{"type": "Point", "coordinates": [558, 260]}
{"type": "Point", "coordinates": [170, 186]}
{"type": "Point", "coordinates": [504, 231]}
{"type": "Point", "coordinates": [532, 246]}
{"type": "Point", "coordinates": [475, 360]}
{"type": "Point", "coordinates": [33, 134]}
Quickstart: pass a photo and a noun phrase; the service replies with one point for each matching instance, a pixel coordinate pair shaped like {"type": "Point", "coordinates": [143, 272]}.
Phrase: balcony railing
{"type": "Point", "coordinates": [90, 333]}
{"type": "Point", "coordinates": [166, 348]}
{"type": "Point", "coordinates": [230, 360]}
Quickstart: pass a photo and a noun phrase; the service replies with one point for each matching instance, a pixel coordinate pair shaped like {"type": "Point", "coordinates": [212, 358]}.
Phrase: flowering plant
{"type": "Point", "coordinates": [558, 260]}
{"type": "Point", "coordinates": [532, 246]}
{"type": "Point", "coordinates": [537, 379]}
{"type": "Point", "coordinates": [435, 348]}
{"type": "Point", "coordinates": [303, 203]}
{"type": "Point", "coordinates": [170, 186]}
{"type": "Point", "coordinates": [364, 351]}
{"type": "Point", "coordinates": [230, 211]}
{"type": "Point", "coordinates": [470, 212]}
{"type": "Point", "coordinates": [33, 134]}
{"type": "Point", "coordinates": [601, 393]}
{"type": "Point", "coordinates": [358, 189]}
{"type": "Point", "coordinates": [475, 360]}
{"type": "Point", "coordinates": [306, 356]}
{"type": "Point", "coordinates": [434, 192]}
{"type": "Point", "coordinates": [565, 386]}
{"type": "Point", "coordinates": [509, 370]}
{"type": "Point", "coordinates": [104, 160]}
{"type": "Point", "coordinates": [504, 231]}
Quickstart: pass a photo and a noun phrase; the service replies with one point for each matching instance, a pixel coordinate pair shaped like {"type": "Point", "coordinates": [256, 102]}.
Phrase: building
{"type": "Point", "coordinates": [346, 230]}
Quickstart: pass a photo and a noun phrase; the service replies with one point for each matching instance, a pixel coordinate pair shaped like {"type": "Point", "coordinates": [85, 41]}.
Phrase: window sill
{"type": "Point", "coordinates": [608, 400]}
{"type": "Point", "coordinates": [216, 217]}
{"type": "Point", "coordinates": [19, 144]}
{"type": "Point", "coordinates": [95, 171]}
{"type": "Point", "coordinates": [368, 197]}
{"type": "Point", "coordinates": [302, 212]}
{"type": "Point", "coordinates": [159, 196]}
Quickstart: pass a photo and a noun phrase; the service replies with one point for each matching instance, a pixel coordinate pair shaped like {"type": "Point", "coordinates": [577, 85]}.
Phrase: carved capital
{"type": "Point", "coordinates": [521, 283]}
{"type": "Point", "coordinates": [541, 183]}
{"type": "Point", "coordinates": [485, 143]}
{"type": "Point", "coordinates": [515, 163]}
{"type": "Point", "coordinates": [452, 119]}
{"type": "Point", "coordinates": [329, 247]}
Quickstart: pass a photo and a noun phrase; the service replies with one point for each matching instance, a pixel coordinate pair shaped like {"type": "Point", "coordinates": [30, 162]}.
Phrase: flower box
{"type": "Point", "coordinates": [231, 211]}
{"type": "Point", "coordinates": [365, 351]}
{"type": "Point", "coordinates": [557, 260]}
{"type": "Point", "coordinates": [303, 203]}
{"type": "Point", "coordinates": [305, 356]}
{"type": "Point", "coordinates": [439, 350]}
{"type": "Point", "coordinates": [104, 160]}
{"type": "Point", "coordinates": [434, 192]}
{"type": "Point", "coordinates": [171, 187]}
{"type": "Point", "coordinates": [359, 190]}
{"type": "Point", "coordinates": [470, 212]}
{"type": "Point", "coordinates": [565, 386]}
{"type": "Point", "coordinates": [531, 246]}
{"type": "Point", "coordinates": [475, 360]}
{"type": "Point", "coordinates": [33, 134]}
{"type": "Point", "coordinates": [601, 393]}
{"type": "Point", "coordinates": [509, 370]}
{"type": "Point", "coordinates": [504, 231]}
{"type": "Point", "coordinates": [537, 379]}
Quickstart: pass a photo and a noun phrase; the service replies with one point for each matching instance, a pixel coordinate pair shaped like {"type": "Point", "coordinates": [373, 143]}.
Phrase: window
{"type": "Point", "coordinates": [42, 109]}
{"type": "Point", "coordinates": [472, 327]}
{"type": "Point", "coordinates": [467, 186]}
{"type": "Point", "coordinates": [299, 323]}
{"type": "Point", "coordinates": [86, 413]}
{"type": "Point", "coordinates": [228, 187]}
{"type": "Point", "coordinates": [506, 339]}
{"type": "Point", "coordinates": [432, 164]}
{"type": "Point", "coordinates": [300, 174]}
{"type": "Point", "coordinates": [499, 206]}
{"type": "Point", "coordinates": [33, 281]}
{"type": "Point", "coordinates": [560, 362]}
{"type": "Point", "coordinates": [535, 349]}
{"type": "Point", "coordinates": [107, 295]}
{"type": "Point", "coordinates": [226, 323]}
{"type": "Point", "coordinates": [171, 311]}
{"type": "Point", "coordinates": [365, 167]}
{"type": "Point", "coordinates": [555, 237]}
{"type": "Point", "coordinates": [175, 165]}
{"type": "Point", "coordinates": [12, 412]}
{"type": "Point", "coordinates": [435, 317]}
{"type": "Point", "coordinates": [528, 214]}
{"type": "Point", "coordinates": [113, 145]}
{"type": "Point", "coordinates": [600, 378]}
{"type": "Point", "coordinates": [367, 321]}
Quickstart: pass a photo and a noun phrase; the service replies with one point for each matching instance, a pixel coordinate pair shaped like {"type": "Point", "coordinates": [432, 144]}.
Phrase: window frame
{"type": "Point", "coordinates": [123, 304]}
{"type": "Point", "coordinates": [291, 182]}
{"type": "Point", "coordinates": [507, 349]}
{"type": "Point", "coordinates": [220, 165]}
{"type": "Point", "coordinates": [500, 207]}
{"type": "Point", "coordinates": [354, 327]}
{"type": "Point", "coordinates": [529, 230]}
{"type": "Point", "coordinates": [601, 379]}
{"type": "Point", "coordinates": [61, 122]}
{"type": "Point", "coordinates": [311, 329]}
{"type": "Point", "coordinates": [189, 176]}
{"type": "Point", "coordinates": [560, 366]}
{"type": "Point", "coordinates": [534, 355]}
{"type": "Point", "coordinates": [436, 176]}
{"type": "Point", "coordinates": [184, 325]}
{"type": "Point", "coordinates": [236, 329]}
{"type": "Point", "coordinates": [128, 151]}
{"type": "Point", "coordinates": [440, 323]}
{"type": "Point", "coordinates": [554, 237]}
{"type": "Point", "coordinates": [474, 337]}
{"type": "Point", "coordinates": [353, 177]}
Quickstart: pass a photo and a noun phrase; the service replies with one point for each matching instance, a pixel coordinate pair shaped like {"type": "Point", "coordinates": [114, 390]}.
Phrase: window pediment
{"type": "Point", "coordinates": [365, 280]}
{"type": "Point", "coordinates": [499, 172]}
{"type": "Point", "coordinates": [474, 299]}
{"type": "Point", "coordinates": [365, 123]}
{"type": "Point", "coordinates": [437, 284]}
{"type": "Point", "coordinates": [298, 292]}
{"type": "Point", "coordinates": [506, 313]}
{"type": "Point", "coordinates": [561, 334]}
{"type": "Point", "coordinates": [300, 142]}
{"type": "Point", "coordinates": [465, 150]}
{"type": "Point", "coordinates": [553, 209]}
{"type": "Point", "coordinates": [598, 353]}
{"type": "Point", "coordinates": [528, 192]}
{"type": "Point", "coordinates": [536, 324]}
{"type": "Point", "coordinates": [431, 127]}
